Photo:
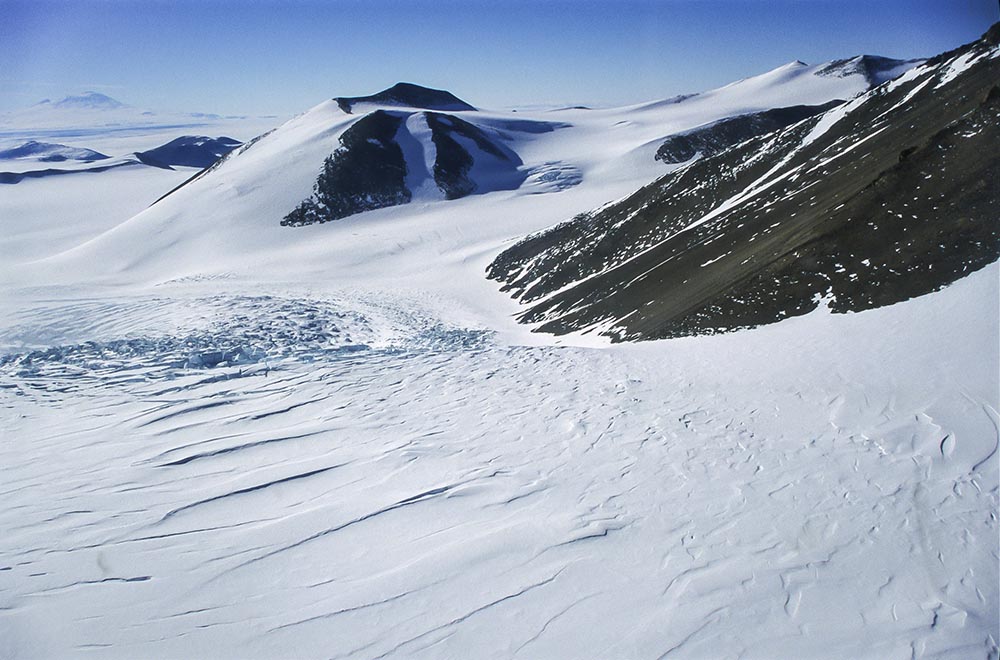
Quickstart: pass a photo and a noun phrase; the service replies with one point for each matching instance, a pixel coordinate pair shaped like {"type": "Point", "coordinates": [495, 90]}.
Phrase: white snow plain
{"type": "Point", "coordinates": [224, 438]}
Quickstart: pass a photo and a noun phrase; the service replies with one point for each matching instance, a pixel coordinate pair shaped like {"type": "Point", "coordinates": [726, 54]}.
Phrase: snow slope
{"type": "Point", "coordinates": [45, 216]}
{"type": "Point", "coordinates": [824, 487]}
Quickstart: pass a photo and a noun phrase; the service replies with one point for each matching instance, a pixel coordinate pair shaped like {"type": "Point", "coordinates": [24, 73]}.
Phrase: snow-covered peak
{"type": "Point", "coordinates": [88, 100]}
{"type": "Point", "coordinates": [50, 152]}
{"type": "Point", "coordinates": [799, 83]}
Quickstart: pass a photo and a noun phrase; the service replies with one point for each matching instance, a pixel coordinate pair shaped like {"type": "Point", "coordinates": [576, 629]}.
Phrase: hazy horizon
{"type": "Point", "coordinates": [278, 58]}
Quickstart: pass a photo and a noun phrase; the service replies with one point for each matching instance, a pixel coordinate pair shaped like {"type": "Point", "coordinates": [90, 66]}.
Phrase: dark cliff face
{"type": "Point", "coordinates": [407, 95]}
{"type": "Point", "coordinates": [710, 140]}
{"type": "Point", "coordinates": [367, 172]}
{"type": "Point", "coordinates": [888, 197]}
{"type": "Point", "coordinates": [453, 161]}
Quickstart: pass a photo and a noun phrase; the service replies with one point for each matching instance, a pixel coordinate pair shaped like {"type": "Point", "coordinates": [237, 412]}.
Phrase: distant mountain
{"type": "Point", "coordinates": [889, 196]}
{"type": "Point", "coordinates": [407, 95]}
{"type": "Point", "coordinates": [94, 114]}
{"type": "Point", "coordinates": [48, 152]}
{"type": "Point", "coordinates": [88, 101]}
{"type": "Point", "coordinates": [186, 151]}
{"type": "Point", "coordinates": [189, 151]}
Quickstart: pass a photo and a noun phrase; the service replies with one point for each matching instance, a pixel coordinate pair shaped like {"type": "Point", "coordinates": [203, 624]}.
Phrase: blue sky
{"type": "Point", "coordinates": [281, 57]}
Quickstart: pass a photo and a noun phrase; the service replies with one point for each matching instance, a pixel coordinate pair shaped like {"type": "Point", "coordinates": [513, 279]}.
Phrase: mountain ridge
{"type": "Point", "coordinates": [664, 263]}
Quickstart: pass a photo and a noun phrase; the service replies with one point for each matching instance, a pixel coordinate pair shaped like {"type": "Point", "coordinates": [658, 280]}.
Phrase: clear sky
{"type": "Point", "coordinates": [284, 56]}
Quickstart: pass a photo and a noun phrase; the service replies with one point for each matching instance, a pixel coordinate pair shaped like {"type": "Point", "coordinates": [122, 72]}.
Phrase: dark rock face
{"type": "Point", "coordinates": [453, 161]}
{"type": "Point", "coordinates": [367, 172]}
{"type": "Point", "coordinates": [890, 196]}
{"type": "Point", "coordinates": [408, 95]}
{"type": "Point", "coordinates": [710, 140]}
{"type": "Point", "coordinates": [189, 151]}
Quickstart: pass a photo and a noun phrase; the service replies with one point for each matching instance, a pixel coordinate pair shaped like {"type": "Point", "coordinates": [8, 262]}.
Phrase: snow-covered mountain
{"type": "Point", "coordinates": [388, 156]}
{"type": "Point", "coordinates": [299, 171]}
{"type": "Point", "coordinates": [48, 152]}
{"type": "Point", "coordinates": [83, 111]}
{"type": "Point", "coordinates": [87, 101]}
{"type": "Point", "coordinates": [878, 200]}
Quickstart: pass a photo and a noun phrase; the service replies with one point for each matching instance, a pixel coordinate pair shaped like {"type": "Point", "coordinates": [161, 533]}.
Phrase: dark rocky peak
{"type": "Point", "coordinates": [408, 95]}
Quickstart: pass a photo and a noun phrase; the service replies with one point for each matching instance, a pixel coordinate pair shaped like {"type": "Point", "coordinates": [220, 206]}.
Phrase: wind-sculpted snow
{"type": "Point", "coordinates": [443, 495]}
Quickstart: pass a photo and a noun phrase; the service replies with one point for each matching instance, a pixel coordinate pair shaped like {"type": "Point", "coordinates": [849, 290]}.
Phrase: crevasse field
{"type": "Point", "coordinates": [226, 438]}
